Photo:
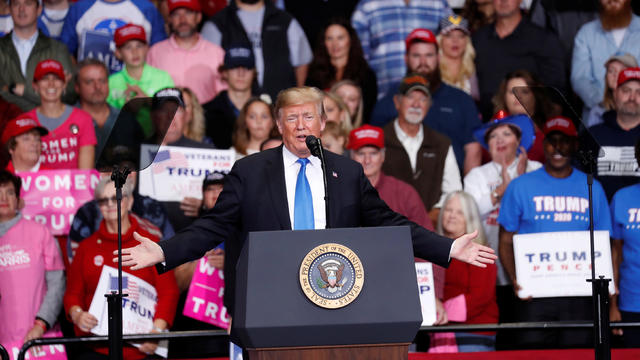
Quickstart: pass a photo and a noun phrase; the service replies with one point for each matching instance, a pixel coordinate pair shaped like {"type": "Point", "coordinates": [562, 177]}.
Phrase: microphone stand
{"type": "Point", "coordinates": [315, 146]}
{"type": "Point", "coordinates": [599, 286]}
{"type": "Point", "coordinates": [114, 299]}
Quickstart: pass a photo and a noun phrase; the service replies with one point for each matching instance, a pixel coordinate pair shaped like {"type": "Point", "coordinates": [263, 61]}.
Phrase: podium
{"type": "Point", "coordinates": [275, 318]}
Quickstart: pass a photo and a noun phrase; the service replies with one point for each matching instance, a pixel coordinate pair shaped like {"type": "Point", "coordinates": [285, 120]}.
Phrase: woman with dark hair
{"type": "Point", "coordinates": [527, 102]}
{"type": "Point", "coordinates": [338, 56]}
{"type": "Point", "coordinates": [478, 12]}
{"type": "Point", "coordinates": [255, 124]}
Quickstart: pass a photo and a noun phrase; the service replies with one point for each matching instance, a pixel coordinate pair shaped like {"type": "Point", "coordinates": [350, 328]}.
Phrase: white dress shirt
{"type": "Point", "coordinates": [451, 177]}
{"type": "Point", "coordinates": [23, 48]}
{"type": "Point", "coordinates": [316, 183]}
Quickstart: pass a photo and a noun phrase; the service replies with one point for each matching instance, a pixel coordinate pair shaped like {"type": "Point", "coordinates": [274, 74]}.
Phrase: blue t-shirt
{"type": "Point", "coordinates": [538, 202]}
{"type": "Point", "coordinates": [453, 113]}
{"type": "Point", "coordinates": [625, 215]}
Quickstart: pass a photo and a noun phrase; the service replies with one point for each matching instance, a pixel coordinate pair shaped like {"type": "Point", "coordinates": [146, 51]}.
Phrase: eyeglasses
{"type": "Point", "coordinates": [108, 200]}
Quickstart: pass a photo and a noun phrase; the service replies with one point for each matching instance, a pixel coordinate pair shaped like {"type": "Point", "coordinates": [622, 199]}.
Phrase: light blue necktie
{"type": "Point", "coordinates": [303, 205]}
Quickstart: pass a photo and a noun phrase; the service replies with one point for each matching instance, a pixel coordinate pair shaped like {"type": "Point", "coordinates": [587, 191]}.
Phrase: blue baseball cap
{"type": "Point", "coordinates": [522, 122]}
{"type": "Point", "coordinates": [239, 56]}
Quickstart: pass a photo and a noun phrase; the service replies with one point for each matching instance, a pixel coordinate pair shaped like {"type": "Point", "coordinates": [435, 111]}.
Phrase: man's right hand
{"type": "Point", "coordinates": [147, 253]}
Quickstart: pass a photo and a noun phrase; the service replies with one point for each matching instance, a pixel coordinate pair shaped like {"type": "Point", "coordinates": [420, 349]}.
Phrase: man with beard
{"type": "Point", "coordinates": [191, 60]}
{"type": "Point", "coordinates": [616, 29]}
{"type": "Point", "coordinates": [452, 112]}
{"type": "Point", "coordinates": [92, 87]}
{"type": "Point", "coordinates": [417, 154]}
{"type": "Point", "coordinates": [618, 135]}
{"type": "Point", "coordinates": [512, 43]}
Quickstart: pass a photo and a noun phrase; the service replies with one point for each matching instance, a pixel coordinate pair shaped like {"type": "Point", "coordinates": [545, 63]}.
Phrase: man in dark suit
{"type": "Point", "coordinates": [267, 191]}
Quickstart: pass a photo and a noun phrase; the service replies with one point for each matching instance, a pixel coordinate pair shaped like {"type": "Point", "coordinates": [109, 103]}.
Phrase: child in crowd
{"type": "Point", "coordinates": [137, 78]}
{"type": "Point", "coordinates": [333, 138]}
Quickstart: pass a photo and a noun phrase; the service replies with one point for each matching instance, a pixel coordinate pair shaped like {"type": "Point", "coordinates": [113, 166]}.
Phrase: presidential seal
{"type": "Point", "coordinates": [331, 276]}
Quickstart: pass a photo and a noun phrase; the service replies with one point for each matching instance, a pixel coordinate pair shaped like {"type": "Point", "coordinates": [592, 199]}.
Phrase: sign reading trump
{"type": "Point", "coordinates": [177, 172]}
{"type": "Point", "coordinates": [556, 264]}
{"type": "Point", "coordinates": [52, 197]}
{"type": "Point", "coordinates": [204, 299]}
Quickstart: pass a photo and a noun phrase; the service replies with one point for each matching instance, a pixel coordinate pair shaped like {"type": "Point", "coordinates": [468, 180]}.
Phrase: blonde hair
{"type": "Point", "coordinates": [196, 128]}
{"type": "Point", "coordinates": [298, 96]}
{"type": "Point", "coordinates": [334, 130]}
{"type": "Point", "coordinates": [470, 212]}
{"type": "Point", "coordinates": [466, 71]}
{"type": "Point", "coordinates": [345, 121]}
{"type": "Point", "coordinates": [356, 119]}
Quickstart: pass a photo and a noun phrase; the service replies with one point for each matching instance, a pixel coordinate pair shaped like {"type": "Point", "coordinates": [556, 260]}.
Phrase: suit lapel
{"type": "Point", "coordinates": [277, 188]}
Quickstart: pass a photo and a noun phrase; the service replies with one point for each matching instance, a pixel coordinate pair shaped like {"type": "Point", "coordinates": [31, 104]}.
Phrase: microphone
{"type": "Point", "coordinates": [314, 145]}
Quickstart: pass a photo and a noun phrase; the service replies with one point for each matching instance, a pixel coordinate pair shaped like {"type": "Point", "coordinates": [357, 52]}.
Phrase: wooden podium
{"type": "Point", "coordinates": [274, 319]}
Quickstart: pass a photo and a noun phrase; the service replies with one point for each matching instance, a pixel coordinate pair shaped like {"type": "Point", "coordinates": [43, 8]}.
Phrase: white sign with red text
{"type": "Point", "coordinates": [177, 172]}
{"type": "Point", "coordinates": [426, 291]}
{"type": "Point", "coordinates": [52, 197]}
{"type": "Point", "coordinates": [138, 307]}
{"type": "Point", "coordinates": [557, 264]}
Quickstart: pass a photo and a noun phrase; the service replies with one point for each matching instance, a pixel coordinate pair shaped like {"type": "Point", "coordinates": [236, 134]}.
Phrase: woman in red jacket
{"type": "Point", "coordinates": [469, 289]}
{"type": "Point", "coordinates": [96, 251]}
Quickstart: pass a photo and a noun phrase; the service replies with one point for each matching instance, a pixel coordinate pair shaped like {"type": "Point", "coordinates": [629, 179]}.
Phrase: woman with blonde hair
{"type": "Point", "coordinates": [337, 111]}
{"type": "Point", "coordinates": [469, 291]}
{"type": "Point", "coordinates": [351, 94]}
{"type": "Point", "coordinates": [457, 55]}
{"type": "Point", "coordinates": [255, 124]}
{"type": "Point", "coordinates": [195, 127]}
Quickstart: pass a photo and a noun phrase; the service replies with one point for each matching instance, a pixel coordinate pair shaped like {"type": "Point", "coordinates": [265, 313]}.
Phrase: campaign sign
{"type": "Point", "coordinates": [204, 299]}
{"type": "Point", "coordinates": [556, 264]}
{"type": "Point", "coordinates": [138, 308]}
{"type": "Point", "coordinates": [99, 45]}
{"type": "Point", "coordinates": [177, 172]}
{"type": "Point", "coordinates": [426, 291]}
{"type": "Point", "coordinates": [43, 352]}
{"type": "Point", "coordinates": [52, 197]}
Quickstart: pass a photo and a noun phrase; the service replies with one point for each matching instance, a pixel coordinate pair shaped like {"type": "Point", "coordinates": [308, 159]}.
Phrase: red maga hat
{"type": "Point", "coordinates": [129, 32]}
{"type": "Point", "coordinates": [561, 124]}
{"type": "Point", "coordinates": [193, 5]}
{"type": "Point", "coordinates": [366, 135]}
{"type": "Point", "coordinates": [48, 66]}
{"type": "Point", "coordinates": [422, 35]}
{"type": "Point", "coordinates": [629, 74]}
{"type": "Point", "coordinates": [20, 125]}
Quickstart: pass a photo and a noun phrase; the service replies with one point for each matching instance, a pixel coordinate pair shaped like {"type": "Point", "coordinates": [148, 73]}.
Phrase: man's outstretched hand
{"type": "Point", "coordinates": [465, 250]}
{"type": "Point", "coordinates": [147, 253]}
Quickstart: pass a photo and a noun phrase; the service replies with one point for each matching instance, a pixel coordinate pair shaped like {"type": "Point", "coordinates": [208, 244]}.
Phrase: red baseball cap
{"type": "Point", "coordinates": [366, 135]}
{"type": "Point", "coordinates": [20, 125]}
{"type": "Point", "coordinates": [48, 66]}
{"type": "Point", "coordinates": [629, 74]}
{"type": "Point", "coordinates": [561, 124]}
{"type": "Point", "coordinates": [422, 35]}
{"type": "Point", "coordinates": [129, 32]}
{"type": "Point", "coordinates": [193, 5]}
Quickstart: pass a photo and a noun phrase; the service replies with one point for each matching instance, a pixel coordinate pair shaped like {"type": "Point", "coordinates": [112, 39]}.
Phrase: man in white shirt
{"type": "Point", "coordinates": [261, 190]}
{"type": "Point", "coordinates": [417, 154]}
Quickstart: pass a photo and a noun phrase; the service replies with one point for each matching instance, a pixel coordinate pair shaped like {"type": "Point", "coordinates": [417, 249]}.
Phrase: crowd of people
{"type": "Point", "coordinates": [462, 120]}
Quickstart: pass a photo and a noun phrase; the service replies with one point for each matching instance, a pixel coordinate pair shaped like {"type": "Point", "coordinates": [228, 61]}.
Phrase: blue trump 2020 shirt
{"type": "Point", "coordinates": [538, 202]}
{"type": "Point", "coordinates": [625, 216]}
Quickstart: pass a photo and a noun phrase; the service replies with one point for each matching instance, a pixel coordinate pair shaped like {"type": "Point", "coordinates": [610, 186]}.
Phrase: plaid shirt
{"type": "Point", "coordinates": [383, 25]}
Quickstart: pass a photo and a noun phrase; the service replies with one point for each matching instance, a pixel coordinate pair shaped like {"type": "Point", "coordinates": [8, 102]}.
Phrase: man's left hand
{"type": "Point", "coordinates": [465, 250]}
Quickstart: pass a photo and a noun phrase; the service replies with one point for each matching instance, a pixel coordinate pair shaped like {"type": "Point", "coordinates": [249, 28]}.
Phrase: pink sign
{"type": "Point", "coordinates": [204, 299]}
{"type": "Point", "coordinates": [52, 197]}
{"type": "Point", "coordinates": [46, 352]}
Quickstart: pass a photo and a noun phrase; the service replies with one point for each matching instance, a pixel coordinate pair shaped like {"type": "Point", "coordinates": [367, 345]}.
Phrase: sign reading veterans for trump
{"type": "Point", "coordinates": [138, 308]}
{"type": "Point", "coordinates": [331, 276]}
{"type": "Point", "coordinates": [426, 291]}
{"type": "Point", "coordinates": [177, 172]}
{"type": "Point", "coordinates": [555, 264]}
{"type": "Point", "coordinates": [52, 197]}
{"type": "Point", "coordinates": [204, 299]}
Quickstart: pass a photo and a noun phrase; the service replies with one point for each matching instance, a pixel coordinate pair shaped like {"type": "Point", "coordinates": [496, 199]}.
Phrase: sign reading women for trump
{"type": "Point", "coordinates": [177, 172]}
{"type": "Point", "coordinates": [424, 272]}
{"type": "Point", "coordinates": [204, 299]}
{"type": "Point", "coordinates": [52, 197]}
{"type": "Point", "coordinates": [138, 308]}
{"type": "Point", "coordinates": [45, 352]}
{"type": "Point", "coordinates": [555, 264]}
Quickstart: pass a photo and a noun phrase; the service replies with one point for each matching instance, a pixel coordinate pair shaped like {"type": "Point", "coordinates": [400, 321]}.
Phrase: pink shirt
{"type": "Point", "coordinates": [61, 147]}
{"type": "Point", "coordinates": [27, 251]}
{"type": "Point", "coordinates": [195, 68]}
